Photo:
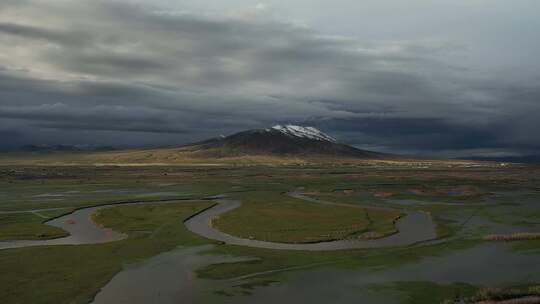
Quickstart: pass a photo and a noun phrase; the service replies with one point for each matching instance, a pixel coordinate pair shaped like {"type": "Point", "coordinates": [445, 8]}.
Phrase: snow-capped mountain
{"type": "Point", "coordinates": [303, 132]}
{"type": "Point", "coordinates": [279, 140]}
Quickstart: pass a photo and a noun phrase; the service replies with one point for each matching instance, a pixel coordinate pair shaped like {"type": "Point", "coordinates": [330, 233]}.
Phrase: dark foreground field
{"type": "Point", "coordinates": [487, 220]}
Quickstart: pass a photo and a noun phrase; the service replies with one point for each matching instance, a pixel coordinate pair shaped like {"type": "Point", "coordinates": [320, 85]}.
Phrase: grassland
{"type": "Point", "coordinates": [276, 217]}
{"type": "Point", "coordinates": [27, 226]}
{"type": "Point", "coordinates": [420, 292]}
{"type": "Point", "coordinates": [73, 274]}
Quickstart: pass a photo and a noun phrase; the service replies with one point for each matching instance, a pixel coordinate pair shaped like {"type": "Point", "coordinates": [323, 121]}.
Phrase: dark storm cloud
{"type": "Point", "coordinates": [96, 71]}
{"type": "Point", "coordinates": [116, 64]}
{"type": "Point", "coordinates": [11, 139]}
{"type": "Point", "coordinates": [418, 133]}
{"type": "Point", "coordinates": [129, 127]}
{"type": "Point", "coordinates": [52, 36]}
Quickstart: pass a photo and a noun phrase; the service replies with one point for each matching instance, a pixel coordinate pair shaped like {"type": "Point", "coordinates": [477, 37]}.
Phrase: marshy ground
{"type": "Point", "coordinates": [466, 204]}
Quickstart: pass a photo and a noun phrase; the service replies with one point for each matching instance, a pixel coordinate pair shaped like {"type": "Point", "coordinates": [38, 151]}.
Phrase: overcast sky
{"type": "Point", "coordinates": [448, 78]}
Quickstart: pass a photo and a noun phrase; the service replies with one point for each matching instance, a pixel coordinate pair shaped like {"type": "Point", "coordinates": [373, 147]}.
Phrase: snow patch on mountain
{"type": "Point", "coordinates": [303, 132]}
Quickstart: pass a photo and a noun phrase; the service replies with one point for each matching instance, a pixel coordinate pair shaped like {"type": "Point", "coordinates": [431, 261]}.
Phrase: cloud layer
{"type": "Point", "coordinates": [107, 72]}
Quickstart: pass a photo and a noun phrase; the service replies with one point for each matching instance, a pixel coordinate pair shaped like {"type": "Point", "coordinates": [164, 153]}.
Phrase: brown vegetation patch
{"type": "Point", "coordinates": [527, 295]}
{"type": "Point", "coordinates": [460, 191]}
{"type": "Point", "coordinates": [371, 235]}
{"type": "Point", "coordinates": [522, 236]}
{"type": "Point", "coordinates": [465, 190]}
{"type": "Point", "coordinates": [524, 300]}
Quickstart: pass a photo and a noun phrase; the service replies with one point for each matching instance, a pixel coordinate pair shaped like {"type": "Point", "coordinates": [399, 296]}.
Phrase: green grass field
{"type": "Point", "coordinates": [276, 217]}
{"type": "Point", "coordinates": [27, 226]}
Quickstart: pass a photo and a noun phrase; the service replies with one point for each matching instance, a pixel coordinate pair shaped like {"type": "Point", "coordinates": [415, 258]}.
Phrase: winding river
{"type": "Point", "coordinates": [81, 229]}
{"type": "Point", "coordinates": [413, 227]}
